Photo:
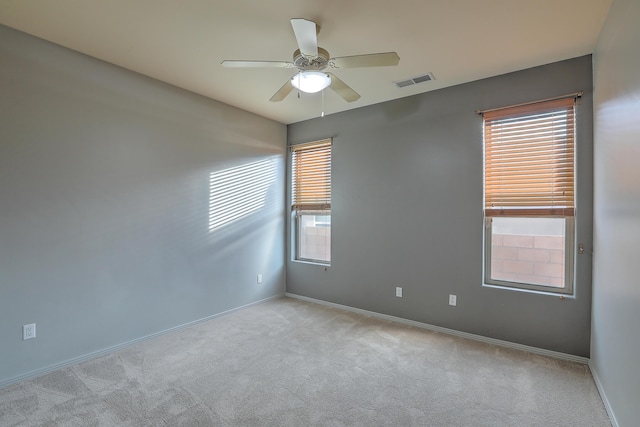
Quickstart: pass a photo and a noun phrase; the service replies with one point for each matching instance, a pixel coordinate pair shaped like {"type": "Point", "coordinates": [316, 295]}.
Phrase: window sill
{"type": "Point", "coordinates": [530, 291]}
{"type": "Point", "coordinates": [308, 262]}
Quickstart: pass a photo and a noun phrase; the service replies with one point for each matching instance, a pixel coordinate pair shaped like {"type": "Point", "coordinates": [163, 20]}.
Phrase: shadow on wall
{"type": "Point", "coordinates": [239, 192]}
{"type": "Point", "coordinates": [245, 211]}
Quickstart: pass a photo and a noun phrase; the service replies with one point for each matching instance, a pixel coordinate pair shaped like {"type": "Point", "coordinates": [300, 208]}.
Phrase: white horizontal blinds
{"type": "Point", "coordinates": [311, 179]}
{"type": "Point", "coordinates": [529, 159]}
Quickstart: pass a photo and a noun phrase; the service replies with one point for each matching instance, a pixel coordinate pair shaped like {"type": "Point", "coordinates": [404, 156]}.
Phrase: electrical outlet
{"type": "Point", "coordinates": [259, 279]}
{"type": "Point", "coordinates": [29, 331]}
{"type": "Point", "coordinates": [453, 300]}
{"type": "Point", "coordinates": [399, 292]}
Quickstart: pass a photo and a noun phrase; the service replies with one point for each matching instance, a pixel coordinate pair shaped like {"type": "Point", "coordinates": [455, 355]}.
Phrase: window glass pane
{"type": "Point", "coordinates": [528, 250]}
{"type": "Point", "coordinates": [323, 221]}
{"type": "Point", "coordinates": [314, 240]}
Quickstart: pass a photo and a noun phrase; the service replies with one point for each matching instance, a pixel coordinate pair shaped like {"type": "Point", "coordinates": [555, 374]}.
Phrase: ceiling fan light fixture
{"type": "Point", "coordinates": [311, 81]}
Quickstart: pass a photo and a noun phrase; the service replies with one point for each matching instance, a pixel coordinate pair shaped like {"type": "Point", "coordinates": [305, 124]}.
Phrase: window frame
{"type": "Point", "coordinates": [569, 255]}
{"type": "Point", "coordinates": [298, 236]}
{"type": "Point", "coordinates": [568, 213]}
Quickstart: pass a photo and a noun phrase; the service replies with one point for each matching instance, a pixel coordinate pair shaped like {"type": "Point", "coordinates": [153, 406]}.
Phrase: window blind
{"type": "Point", "coordinates": [529, 159]}
{"type": "Point", "coordinates": [311, 180]}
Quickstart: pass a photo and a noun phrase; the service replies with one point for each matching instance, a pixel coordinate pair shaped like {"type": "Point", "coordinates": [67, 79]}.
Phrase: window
{"type": "Point", "coordinates": [311, 197]}
{"type": "Point", "coordinates": [529, 195]}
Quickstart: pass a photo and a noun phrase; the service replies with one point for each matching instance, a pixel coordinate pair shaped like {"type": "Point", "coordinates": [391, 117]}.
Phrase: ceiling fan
{"type": "Point", "coordinates": [311, 62]}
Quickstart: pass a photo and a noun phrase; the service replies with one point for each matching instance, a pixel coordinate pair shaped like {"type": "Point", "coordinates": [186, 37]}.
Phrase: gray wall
{"type": "Point", "coordinates": [407, 211]}
{"type": "Point", "coordinates": [104, 206]}
{"type": "Point", "coordinates": [615, 340]}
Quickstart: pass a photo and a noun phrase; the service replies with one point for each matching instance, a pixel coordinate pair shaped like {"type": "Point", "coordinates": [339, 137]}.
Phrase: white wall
{"type": "Point", "coordinates": [104, 206]}
{"type": "Point", "coordinates": [615, 342]}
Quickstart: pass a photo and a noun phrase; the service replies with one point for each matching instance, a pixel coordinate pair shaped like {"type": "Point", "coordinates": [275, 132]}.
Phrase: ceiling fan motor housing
{"type": "Point", "coordinates": [306, 63]}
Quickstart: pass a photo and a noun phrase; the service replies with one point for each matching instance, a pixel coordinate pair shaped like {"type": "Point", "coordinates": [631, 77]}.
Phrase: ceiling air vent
{"type": "Point", "coordinates": [415, 80]}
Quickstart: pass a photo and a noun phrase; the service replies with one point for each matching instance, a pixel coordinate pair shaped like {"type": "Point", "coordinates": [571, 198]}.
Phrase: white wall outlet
{"type": "Point", "coordinates": [399, 292]}
{"type": "Point", "coordinates": [259, 279]}
{"type": "Point", "coordinates": [453, 300]}
{"type": "Point", "coordinates": [29, 331]}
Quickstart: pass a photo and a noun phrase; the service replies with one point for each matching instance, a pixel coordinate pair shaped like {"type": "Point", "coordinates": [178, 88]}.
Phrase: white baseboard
{"type": "Point", "coordinates": [502, 343]}
{"type": "Point", "coordinates": [105, 351]}
{"type": "Point", "coordinates": [603, 396]}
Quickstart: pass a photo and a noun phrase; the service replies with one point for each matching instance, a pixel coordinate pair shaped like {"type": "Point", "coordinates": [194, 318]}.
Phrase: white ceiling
{"type": "Point", "coordinates": [182, 42]}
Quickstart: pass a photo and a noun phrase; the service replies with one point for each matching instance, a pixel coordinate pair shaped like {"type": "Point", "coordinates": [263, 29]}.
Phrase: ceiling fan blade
{"type": "Point", "coordinates": [306, 35]}
{"type": "Point", "coordinates": [372, 60]}
{"type": "Point", "coordinates": [342, 89]}
{"type": "Point", "coordinates": [282, 92]}
{"type": "Point", "coordinates": [256, 64]}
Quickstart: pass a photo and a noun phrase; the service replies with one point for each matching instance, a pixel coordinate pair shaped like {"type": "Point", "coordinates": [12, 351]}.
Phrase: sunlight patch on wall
{"type": "Point", "coordinates": [237, 192]}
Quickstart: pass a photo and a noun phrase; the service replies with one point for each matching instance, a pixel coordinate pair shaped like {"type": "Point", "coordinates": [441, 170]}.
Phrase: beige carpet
{"type": "Point", "coordinates": [291, 363]}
